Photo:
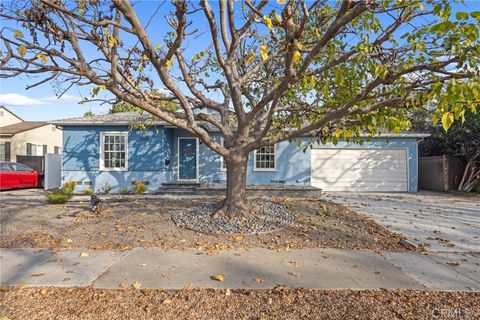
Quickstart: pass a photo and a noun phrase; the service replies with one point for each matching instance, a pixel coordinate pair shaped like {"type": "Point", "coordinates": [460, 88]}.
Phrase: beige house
{"type": "Point", "coordinates": [26, 138]}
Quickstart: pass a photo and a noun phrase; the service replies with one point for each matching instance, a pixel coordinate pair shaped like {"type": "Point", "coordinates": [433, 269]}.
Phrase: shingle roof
{"type": "Point", "coordinates": [110, 119]}
{"type": "Point", "coordinates": [21, 127]}
{"type": "Point", "coordinates": [121, 118]}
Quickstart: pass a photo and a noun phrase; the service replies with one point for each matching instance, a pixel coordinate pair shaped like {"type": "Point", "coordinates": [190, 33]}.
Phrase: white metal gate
{"type": "Point", "coordinates": [53, 171]}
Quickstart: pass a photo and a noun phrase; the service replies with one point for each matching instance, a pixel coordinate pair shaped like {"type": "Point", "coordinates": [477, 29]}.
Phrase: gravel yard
{"type": "Point", "coordinates": [124, 224]}
{"type": "Point", "coordinates": [279, 303]}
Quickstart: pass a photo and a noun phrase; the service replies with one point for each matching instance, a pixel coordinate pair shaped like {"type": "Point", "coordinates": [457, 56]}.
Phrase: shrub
{"type": "Point", "coordinates": [124, 191]}
{"type": "Point", "coordinates": [106, 188]}
{"type": "Point", "coordinates": [325, 212]}
{"type": "Point", "coordinates": [58, 196]}
{"type": "Point", "coordinates": [88, 191]}
{"type": "Point", "coordinates": [69, 186]}
{"type": "Point", "coordinates": [140, 187]}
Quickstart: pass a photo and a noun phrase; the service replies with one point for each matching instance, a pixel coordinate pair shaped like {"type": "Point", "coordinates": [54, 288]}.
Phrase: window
{"type": "Point", "coordinates": [57, 150]}
{"type": "Point", "coordinates": [3, 153]}
{"type": "Point", "coordinates": [5, 167]}
{"type": "Point", "coordinates": [53, 129]}
{"type": "Point", "coordinates": [265, 159]}
{"type": "Point", "coordinates": [113, 155]}
{"type": "Point", "coordinates": [36, 149]}
{"type": "Point", "coordinates": [20, 167]}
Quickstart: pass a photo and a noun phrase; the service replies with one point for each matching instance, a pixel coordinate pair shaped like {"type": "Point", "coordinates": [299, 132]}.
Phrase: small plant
{"type": "Point", "coordinates": [124, 191]}
{"type": "Point", "coordinates": [58, 196]}
{"type": "Point", "coordinates": [325, 211]}
{"type": "Point", "coordinates": [88, 191]}
{"type": "Point", "coordinates": [140, 187]}
{"type": "Point", "coordinates": [69, 186]}
{"type": "Point", "coordinates": [106, 188]}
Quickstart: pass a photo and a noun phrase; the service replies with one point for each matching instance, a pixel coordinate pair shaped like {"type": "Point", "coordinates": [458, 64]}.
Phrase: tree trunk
{"type": "Point", "coordinates": [235, 203]}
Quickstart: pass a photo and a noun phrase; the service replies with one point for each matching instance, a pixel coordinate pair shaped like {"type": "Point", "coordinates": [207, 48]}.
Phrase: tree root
{"type": "Point", "coordinates": [234, 209]}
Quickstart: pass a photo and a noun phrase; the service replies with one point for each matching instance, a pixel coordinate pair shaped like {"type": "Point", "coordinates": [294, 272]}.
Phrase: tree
{"type": "Point", "coordinates": [123, 106]}
{"type": "Point", "coordinates": [88, 114]}
{"type": "Point", "coordinates": [269, 71]}
{"type": "Point", "coordinates": [460, 139]}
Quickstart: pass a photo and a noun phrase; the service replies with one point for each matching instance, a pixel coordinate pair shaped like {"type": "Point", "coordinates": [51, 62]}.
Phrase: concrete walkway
{"type": "Point", "coordinates": [256, 268]}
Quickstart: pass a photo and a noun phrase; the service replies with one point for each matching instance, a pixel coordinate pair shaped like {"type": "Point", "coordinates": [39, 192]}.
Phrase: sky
{"type": "Point", "coordinates": [41, 103]}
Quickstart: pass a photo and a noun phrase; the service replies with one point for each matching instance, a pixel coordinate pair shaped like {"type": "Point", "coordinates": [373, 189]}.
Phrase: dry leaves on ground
{"type": "Point", "coordinates": [279, 303]}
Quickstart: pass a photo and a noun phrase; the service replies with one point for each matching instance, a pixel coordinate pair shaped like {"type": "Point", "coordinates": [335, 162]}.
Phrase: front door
{"type": "Point", "coordinates": [187, 159]}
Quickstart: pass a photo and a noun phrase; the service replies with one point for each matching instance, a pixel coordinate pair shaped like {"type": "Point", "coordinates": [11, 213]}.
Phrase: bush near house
{"type": "Point", "coordinates": [140, 187]}
{"type": "Point", "coordinates": [124, 191]}
{"type": "Point", "coordinates": [60, 196]}
{"type": "Point", "coordinates": [88, 191]}
{"type": "Point", "coordinates": [69, 186]}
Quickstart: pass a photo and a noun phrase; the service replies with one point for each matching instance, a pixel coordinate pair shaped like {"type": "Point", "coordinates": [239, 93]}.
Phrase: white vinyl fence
{"type": "Point", "coordinates": [53, 171]}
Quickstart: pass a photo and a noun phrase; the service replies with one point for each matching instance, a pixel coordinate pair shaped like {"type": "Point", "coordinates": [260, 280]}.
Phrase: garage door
{"type": "Point", "coordinates": [359, 169]}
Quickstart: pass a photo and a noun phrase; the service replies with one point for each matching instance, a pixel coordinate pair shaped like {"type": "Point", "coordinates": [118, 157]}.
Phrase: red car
{"type": "Point", "coordinates": [16, 175]}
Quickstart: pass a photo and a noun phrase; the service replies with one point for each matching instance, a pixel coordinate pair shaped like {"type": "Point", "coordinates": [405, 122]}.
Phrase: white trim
{"type": "Point", "coordinates": [102, 162]}
{"type": "Point", "coordinates": [196, 156]}
{"type": "Point", "coordinates": [265, 169]}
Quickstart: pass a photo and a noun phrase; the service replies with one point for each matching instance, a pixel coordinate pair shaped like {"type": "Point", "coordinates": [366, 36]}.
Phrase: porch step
{"type": "Point", "coordinates": [181, 185]}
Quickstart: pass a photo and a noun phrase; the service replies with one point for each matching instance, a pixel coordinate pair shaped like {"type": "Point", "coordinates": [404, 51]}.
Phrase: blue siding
{"type": "Point", "coordinates": [148, 150]}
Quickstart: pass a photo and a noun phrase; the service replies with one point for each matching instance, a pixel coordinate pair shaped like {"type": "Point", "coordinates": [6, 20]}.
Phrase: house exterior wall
{"type": "Point", "coordinates": [7, 118]}
{"type": "Point", "coordinates": [149, 150]}
{"type": "Point", "coordinates": [46, 135]}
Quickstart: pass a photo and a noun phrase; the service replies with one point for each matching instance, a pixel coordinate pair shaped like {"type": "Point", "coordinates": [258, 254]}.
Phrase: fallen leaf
{"type": "Point", "coordinates": [38, 275]}
{"type": "Point", "coordinates": [69, 240]}
{"type": "Point", "coordinates": [294, 263]}
{"type": "Point", "coordinates": [83, 254]}
{"type": "Point", "coordinates": [167, 301]}
{"type": "Point", "coordinates": [136, 285]}
{"type": "Point", "coordinates": [142, 264]}
{"type": "Point", "coordinates": [218, 277]}
{"type": "Point", "coordinates": [228, 293]}
{"type": "Point", "coordinates": [453, 264]}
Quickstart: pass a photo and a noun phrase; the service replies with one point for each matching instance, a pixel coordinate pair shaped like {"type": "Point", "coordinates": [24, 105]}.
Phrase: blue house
{"type": "Point", "coordinates": [108, 152]}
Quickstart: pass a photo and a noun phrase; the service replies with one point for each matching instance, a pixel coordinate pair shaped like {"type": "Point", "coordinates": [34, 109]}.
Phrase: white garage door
{"type": "Point", "coordinates": [359, 169]}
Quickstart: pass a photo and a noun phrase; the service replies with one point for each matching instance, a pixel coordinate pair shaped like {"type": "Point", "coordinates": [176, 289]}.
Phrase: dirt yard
{"type": "Point", "coordinates": [124, 224]}
{"type": "Point", "coordinates": [279, 303]}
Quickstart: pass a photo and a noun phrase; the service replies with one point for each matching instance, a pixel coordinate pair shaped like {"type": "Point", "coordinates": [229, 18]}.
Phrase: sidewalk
{"type": "Point", "coordinates": [257, 268]}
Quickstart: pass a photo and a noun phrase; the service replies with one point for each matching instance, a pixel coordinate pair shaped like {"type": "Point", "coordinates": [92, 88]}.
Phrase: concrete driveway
{"type": "Point", "coordinates": [440, 222]}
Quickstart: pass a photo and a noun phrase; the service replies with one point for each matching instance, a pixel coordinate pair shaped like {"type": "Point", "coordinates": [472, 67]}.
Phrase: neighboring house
{"type": "Point", "coordinates": [7, 117]}
{"type": "Point", "coordinates": [26, 138]}
{"type": "Point", "coordinates": [106, 151]}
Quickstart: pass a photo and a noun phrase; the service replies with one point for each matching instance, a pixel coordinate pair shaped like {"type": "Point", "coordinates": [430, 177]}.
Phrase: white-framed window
{"type": "Point", "coordinates": [114, 151]}
{"type": "Point", "coordinates": [35, 149]}
{"type": "Point", "coordinates": [265, 158]}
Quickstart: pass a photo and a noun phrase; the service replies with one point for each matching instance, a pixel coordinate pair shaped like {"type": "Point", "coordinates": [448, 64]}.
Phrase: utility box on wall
{"type": "Point", "coordinates": [440, 173]}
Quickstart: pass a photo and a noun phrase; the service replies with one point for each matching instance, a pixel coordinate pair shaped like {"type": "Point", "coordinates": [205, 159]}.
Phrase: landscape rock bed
{"type": "Point", "coordinates": [272, 216]}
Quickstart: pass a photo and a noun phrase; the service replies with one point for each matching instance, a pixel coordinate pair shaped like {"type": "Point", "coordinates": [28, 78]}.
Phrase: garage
{"type": "Point", "coordinates": [360, 169]}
